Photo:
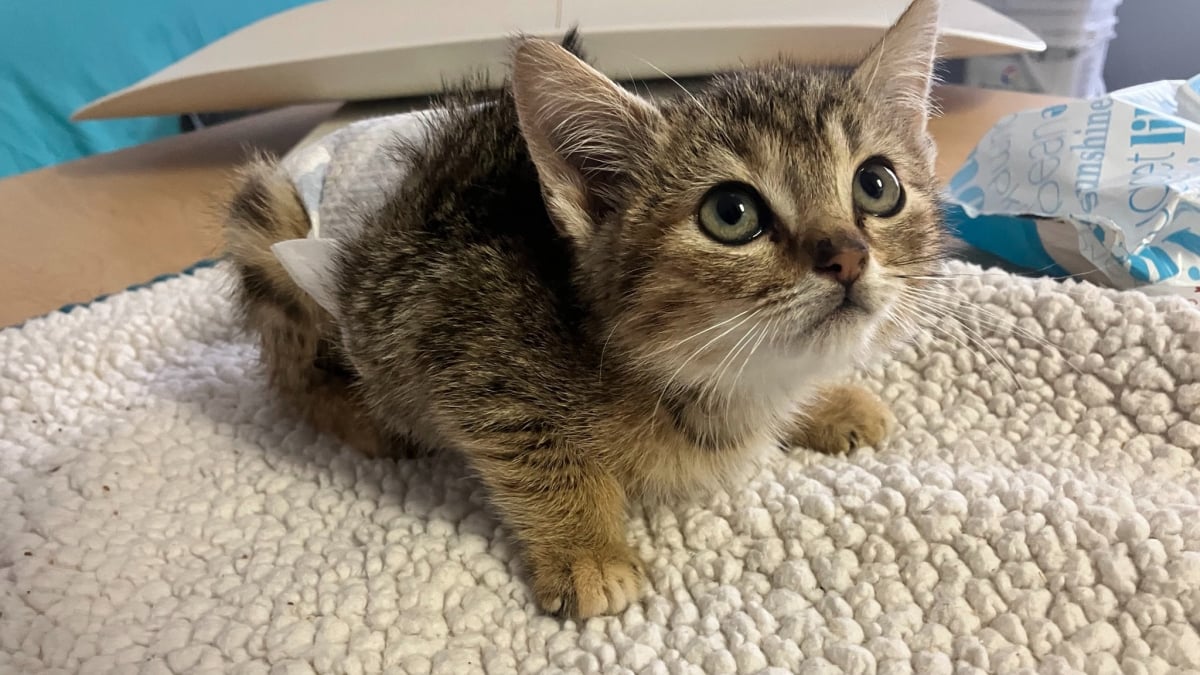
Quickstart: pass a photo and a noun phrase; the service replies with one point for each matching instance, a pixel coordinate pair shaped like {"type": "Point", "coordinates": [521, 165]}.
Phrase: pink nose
{"type": "Point", "coordinates": [844, 263]}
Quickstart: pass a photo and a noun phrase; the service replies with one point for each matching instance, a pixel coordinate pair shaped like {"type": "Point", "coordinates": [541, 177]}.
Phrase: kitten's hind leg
{"type": "Point", "coordinates": [300, 356]}
{"type": "Point", "coordinates": [842, 418]}
{"type": "Point", "coordinates": [305, 371]}
{"type": "Point", "coordinates": [569, 518]}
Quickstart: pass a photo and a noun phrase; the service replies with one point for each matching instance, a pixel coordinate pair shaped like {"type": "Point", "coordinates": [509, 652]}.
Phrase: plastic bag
{"type": "Point", "coordinates": [1108, 186]}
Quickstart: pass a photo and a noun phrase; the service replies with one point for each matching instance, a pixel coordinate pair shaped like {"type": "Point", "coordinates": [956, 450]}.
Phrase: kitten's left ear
{"type": "Point", "coordinates": [583, 131]}
{"type": "Point", "coordinates": [898, 71]}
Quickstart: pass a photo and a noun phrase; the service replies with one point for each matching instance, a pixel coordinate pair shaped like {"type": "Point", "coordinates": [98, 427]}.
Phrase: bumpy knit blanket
{"type": "Point", "coordinates": [1039, 509]}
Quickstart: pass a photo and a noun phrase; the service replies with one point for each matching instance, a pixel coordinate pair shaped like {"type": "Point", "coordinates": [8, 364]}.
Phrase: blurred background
{"type": "Point", "coordinates": [1093, 46]}
{"type": "Point", "coordinates": [1155, 40]}
{"type": "Point", "coordinates": [57, 55]}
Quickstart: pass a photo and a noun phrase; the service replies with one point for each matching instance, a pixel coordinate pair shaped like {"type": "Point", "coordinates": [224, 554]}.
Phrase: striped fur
{"type": "Point", "coordinates": [537, 295]}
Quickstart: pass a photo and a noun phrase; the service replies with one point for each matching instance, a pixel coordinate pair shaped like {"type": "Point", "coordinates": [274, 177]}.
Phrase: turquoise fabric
{"type": "Point", "coordinates": [57, 55]}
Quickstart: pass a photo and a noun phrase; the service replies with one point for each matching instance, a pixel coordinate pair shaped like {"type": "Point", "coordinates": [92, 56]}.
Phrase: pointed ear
{"type": "Point", "coordinates": [583, 131]}
{"type": "Point", "coordinates": [898, 71]}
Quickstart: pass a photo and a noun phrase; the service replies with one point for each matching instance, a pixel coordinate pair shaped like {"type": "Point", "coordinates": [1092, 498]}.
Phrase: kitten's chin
{"type": "Point", "coordinates": [846, 312]}
{"type": "Point", "coordinates": [845, 333]}
{"type": "Point", "coordinates": [842, 314]}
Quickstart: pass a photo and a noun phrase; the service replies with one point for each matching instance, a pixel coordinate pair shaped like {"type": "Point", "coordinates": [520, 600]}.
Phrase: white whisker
{"type": "Point", "coordinates": [713, 386]}
{"type": "Point", "coordinates": [934, 322]}
{"type": "Point", "coordinates": [684, 89]}
{"type": "Point", "coordinates": [961, 309]}
{"type": "Point", "coordinates": [604, 349]}
{"type": "Point", "coordinates": [749, 355]}
{"type": "Point", "coordinates": [671, 380]}
{"type": "Point", "coordinates": [680, 343]}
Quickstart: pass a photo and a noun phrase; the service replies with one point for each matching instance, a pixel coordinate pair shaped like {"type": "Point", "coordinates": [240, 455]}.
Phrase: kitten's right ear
{"type": "Point", "coordinates": [583, 131]}
{"type": "Point", "coordinates": [898, 71]}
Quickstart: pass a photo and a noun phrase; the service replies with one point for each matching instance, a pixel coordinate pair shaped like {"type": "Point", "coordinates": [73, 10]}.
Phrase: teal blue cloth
{"type": "Point", "coordinates": [57, 55]}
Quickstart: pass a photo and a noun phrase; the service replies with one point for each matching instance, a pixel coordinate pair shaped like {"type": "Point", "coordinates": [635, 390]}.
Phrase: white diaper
{"type": "Point", "coordinates": [340, 177]}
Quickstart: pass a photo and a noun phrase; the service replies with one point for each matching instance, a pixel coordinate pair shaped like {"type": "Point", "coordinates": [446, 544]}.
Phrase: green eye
{"type": "Point", "coordinates": [733, 214]}
{"type": "Point", "coordinates": [877, 190]}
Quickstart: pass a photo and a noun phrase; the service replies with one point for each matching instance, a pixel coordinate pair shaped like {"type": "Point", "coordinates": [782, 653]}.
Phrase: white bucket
{"type": "Point", "coordinates": [1077, 34]}
{"type": "Point", "coordinates": [1077, 72]}
{"type": "Point", "coordinates": [1065, 23]}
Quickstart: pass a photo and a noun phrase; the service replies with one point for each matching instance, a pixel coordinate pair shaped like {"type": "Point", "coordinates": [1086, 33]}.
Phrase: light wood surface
{"type": "Point", "coordinates": [98, 225]}
{"type": "Point", "coordinates": [101, 224]}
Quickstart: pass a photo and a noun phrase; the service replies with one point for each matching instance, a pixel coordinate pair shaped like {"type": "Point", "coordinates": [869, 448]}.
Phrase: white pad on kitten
{"type": "Point", "coordinates": [339, 178]}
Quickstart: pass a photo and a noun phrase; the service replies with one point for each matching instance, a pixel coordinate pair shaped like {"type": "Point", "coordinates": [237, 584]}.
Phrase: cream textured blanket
{"type": "Point", "coordinates": [159, 515]}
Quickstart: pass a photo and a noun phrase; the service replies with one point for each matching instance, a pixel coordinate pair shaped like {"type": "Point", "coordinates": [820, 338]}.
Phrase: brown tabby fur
{"type": "Point", "coordinates": [537, 296]}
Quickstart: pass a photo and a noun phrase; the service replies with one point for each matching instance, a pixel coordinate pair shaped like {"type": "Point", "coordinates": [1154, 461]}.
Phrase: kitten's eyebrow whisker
{"type": "Point", "coordinates": [673, 81]}
{"type": "Point", "coordinates": [875, 70]}
{"type": "Point", "coordinates": [685, 91]}
{"type": "Point", "coordinates": [633, 82]}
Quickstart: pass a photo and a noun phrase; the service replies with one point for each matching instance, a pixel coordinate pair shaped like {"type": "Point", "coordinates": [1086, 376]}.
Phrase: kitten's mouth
{"type": "Point", "coordinates": [847, 309]}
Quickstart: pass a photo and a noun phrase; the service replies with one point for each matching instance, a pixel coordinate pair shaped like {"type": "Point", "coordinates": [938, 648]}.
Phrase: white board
{"type": "Point", "coordinates": [347, 50]}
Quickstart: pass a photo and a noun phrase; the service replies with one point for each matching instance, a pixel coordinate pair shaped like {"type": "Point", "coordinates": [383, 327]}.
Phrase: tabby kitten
{"type": "Point", "coordinates": [595, 297]}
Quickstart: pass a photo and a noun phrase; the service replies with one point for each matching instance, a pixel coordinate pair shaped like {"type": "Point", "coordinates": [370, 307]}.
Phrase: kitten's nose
{"type": "Point", "coordinates": [844, 261]}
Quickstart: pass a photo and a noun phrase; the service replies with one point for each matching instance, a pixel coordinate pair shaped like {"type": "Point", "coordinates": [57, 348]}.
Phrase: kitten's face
{"type": "Point", "coordinates": [779, 205]}
{"type": "Point", "coordinates": [775, 222]}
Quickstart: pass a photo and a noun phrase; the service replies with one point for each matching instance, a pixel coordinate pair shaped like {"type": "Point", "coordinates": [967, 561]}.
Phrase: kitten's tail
{"type": "Point", "coordinates": [265, 210]}
{"type": "Point", "coordinates": [299, 346]}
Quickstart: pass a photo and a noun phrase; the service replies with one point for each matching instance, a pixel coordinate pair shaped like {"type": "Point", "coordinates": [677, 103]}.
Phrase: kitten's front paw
{"type": "Point", "coordinates": [583, 584]}
{"type": "Point", "coordinates": [844, 418]}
